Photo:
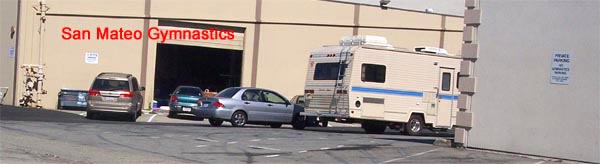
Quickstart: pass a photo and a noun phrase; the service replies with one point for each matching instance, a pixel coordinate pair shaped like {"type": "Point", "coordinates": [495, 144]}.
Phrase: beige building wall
{"type": "Point", "coordinates": [285, 51]}
{"type": "Point", "coordinates": [514, 106]}
{"type": "Point", "coordinates": [277, 36]}
{"type": "Point", "coordinates": [8, 40]}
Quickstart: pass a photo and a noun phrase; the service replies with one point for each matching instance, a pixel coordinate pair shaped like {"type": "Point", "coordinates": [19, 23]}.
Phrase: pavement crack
{"type": "Point", "coordinates": [138, 149]}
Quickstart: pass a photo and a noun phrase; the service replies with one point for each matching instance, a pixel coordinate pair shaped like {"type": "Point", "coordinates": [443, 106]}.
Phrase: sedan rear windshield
{"type": "Point", "coordinates": [228, 93]}
{"type": "Point", "coordinates": [189, 91]}
{"type": "Point", "coordinates": [110, 85]}
{"type": "Point", "coordinates": [328, 71]}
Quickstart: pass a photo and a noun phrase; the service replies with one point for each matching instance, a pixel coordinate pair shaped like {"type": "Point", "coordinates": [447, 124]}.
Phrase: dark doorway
{"type": "Point", "coordinates": [208, 68]}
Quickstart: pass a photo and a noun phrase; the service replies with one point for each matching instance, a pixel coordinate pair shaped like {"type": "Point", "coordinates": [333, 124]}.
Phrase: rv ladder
{"type": "Point", "coordinates": [339, 86]}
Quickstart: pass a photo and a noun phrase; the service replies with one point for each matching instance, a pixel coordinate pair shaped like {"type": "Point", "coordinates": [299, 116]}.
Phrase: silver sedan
{"type": "Point", "coordinates": [242, 106]}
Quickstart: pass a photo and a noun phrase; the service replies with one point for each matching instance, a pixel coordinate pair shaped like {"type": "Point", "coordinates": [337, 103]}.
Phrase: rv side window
{"type": "Point", "coordinates": [446, 80]}
{"type": "Point", "coordinates": [373, 73]}
{"type": "Point", "coordinates": [328, 71]}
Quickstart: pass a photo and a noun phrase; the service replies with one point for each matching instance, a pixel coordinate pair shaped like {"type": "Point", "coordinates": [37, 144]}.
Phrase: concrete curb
{"type": "Point", "coordinates": [442, 142]}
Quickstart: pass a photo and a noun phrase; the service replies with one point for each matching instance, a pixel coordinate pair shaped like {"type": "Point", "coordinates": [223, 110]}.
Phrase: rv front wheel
{"type": "Point", "coordinates": [414, 126]}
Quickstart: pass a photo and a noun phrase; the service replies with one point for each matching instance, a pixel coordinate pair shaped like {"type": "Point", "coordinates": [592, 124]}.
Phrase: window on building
{"type": "Point", "coordinates": [373, 73]}
{"type": "Point", "coordinates": [329, 71]}
{"type": "Point", "coordinates": [446, 80]}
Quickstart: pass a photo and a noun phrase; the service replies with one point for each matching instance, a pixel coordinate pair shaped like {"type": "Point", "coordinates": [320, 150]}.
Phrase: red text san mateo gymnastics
{"type": "Point", "coordinates": [153, 33]}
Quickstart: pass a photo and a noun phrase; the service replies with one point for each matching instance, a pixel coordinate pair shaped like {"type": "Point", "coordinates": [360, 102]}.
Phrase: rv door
{"type": "Point", "coordinates": [445, 97]}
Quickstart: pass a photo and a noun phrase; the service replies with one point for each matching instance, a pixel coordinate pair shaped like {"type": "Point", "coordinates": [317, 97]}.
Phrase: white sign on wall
{"type": "Point", "coordinates": [91, 58]}
{"type": "Point", "coordinates": [561, 66]}
{"type": "Point", "coordinates": [11, 52]}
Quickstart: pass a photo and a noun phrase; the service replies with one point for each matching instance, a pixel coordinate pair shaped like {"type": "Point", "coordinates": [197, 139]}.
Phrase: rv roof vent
{"type": "Point", "coordinates": [431, 50]}
{"type": "Point", "coordinates": [364, 40]}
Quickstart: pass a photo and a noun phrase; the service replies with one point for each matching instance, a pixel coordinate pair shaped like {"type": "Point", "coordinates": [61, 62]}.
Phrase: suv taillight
{"type": "Point", "coordinates": [218, 104]}
{"type": "Point", "coordinates": [93, 92]}
{"type": "Point", "coordinates": [127, 94]}
{"type": "Point", "coordinates": [174, 98]}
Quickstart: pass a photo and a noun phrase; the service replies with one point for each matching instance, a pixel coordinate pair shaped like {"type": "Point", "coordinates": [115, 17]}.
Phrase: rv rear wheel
{"type": "Point", "coordinates": [374, 127]}
{"type": "Point", "coordinates": [414, 126]}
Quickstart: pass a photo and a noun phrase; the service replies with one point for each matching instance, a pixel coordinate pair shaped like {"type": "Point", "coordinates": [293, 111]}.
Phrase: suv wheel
{"type": "Point", "coordinates": [90, 115]}
{"type": "Point", "coordinates": [133, 116]}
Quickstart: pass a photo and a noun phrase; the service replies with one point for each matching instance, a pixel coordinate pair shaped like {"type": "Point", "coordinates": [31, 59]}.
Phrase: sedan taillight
{"type": "Point", "coordinates": [218, 104]}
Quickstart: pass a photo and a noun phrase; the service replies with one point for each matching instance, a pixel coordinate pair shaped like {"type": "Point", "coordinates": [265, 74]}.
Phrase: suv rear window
{"type": "Point", "coordinates": [189, 91]}
{"type": "Point", "coordinates": [228, 93]}
{"type": "Point", "coordinates": [110, 85]}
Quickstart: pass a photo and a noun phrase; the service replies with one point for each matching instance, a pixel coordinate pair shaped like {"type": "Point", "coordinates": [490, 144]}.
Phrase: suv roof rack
{"type": "Point", "coordinates": [124, 75]}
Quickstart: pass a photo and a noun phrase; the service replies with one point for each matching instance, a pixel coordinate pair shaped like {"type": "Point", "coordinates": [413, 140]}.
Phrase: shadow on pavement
{"type": "Point", "coordinates": [416, 140]}
{"type": "Point", "coordinates": [12, 113]}
{"type": "Point", "coordinates": [73, 108]}
{"type": "Point", "coordinates": [358, 130]}
{"type": "Point", "coordinates": [186, 117]}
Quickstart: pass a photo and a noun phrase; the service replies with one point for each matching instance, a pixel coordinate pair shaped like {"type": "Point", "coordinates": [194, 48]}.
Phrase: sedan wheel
{"type": "Point", "coordinates": [215, 122]}
{"type": "Point", "coordinates": [239, 119]}
{"type": "Point", "coordinates": [276, 125]}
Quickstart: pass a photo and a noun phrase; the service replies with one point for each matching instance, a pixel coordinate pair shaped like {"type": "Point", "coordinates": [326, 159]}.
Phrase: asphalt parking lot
{"type": "Point", "coordinates": [65, 136]}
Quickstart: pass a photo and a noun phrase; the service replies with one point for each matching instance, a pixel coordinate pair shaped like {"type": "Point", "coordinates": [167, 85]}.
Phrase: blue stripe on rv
{"type": "Point", "coordinates": [399, 92]}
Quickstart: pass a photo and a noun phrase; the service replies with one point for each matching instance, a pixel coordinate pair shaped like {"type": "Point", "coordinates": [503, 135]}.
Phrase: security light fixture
{"type": "Point", "coordinates": [383, 4]}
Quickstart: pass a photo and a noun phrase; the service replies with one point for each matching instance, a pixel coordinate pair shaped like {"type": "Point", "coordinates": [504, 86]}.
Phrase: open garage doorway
{"type": "Point", "coordinates": [208, 68]}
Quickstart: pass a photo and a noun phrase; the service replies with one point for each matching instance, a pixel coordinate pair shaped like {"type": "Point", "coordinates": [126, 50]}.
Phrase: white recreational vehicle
{"type": "Point", "coordinates": [366, 80]}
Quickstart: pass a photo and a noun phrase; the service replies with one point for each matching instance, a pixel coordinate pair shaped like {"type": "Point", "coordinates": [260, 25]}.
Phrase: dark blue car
{"type": "Point", "coordinates": [184, 100]}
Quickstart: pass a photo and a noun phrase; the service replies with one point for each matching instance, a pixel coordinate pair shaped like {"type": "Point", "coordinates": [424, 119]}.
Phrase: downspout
{"type": "Point", "coordinates": [40, 79]}
{"type": "Point", "coordinates": [18, 28]}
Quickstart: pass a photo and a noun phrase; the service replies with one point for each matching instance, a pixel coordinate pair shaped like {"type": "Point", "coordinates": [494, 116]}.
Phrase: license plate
{"type": "Point", "coordinates": [205, 105]}
{"type": "Point", "coordinates": [186, 109]}
{"type": "Point", "coordinates": [109, 98]}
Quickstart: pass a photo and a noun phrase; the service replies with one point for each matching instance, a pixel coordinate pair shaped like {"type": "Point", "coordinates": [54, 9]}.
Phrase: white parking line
{"type": "Point", "coordinates": [264, 148]}
{"type": "Point", "coordinates": [325, 148]}
{"type": "Point", "coordinates": [201, 146]}
{"type": "Point", "coordinates": [206, 139]}
{"type": "Point", "coordinates": [303, 151]}
{"type": "Point", "coordinates": [83, 114]}
{"type": "Point", "coordinates": [151, 117]}
{"type": "Point", "coordinates": [271, 156]}
{"type": "Point", "coordinates": [234, 142]}
{"type": "Point", "coordinates": [339, 146]}
{"type": "Point", "coordinates": [414, 155]}
{"type": "Point", "coordinates": [540, 162]}
{"type": "Point", "coordinates": [255, 140]}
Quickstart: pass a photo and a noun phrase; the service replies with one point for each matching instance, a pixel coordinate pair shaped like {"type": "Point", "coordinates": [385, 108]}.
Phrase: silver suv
{"type": "Point", "coordinates": [115, 93]}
